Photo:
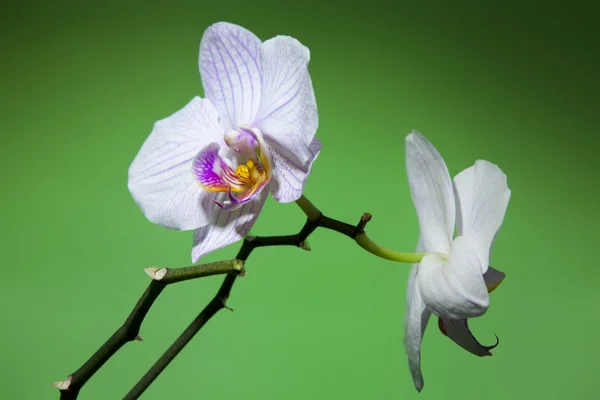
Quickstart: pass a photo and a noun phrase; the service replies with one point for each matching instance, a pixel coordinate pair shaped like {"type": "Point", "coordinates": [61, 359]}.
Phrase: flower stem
{"type": "Point", "coordinates": [366, 243]}
{"type": "Point", "coordinates": [174, 275]}
{"type": "Point", "coordinates": [308, 208]}
{"type": "Point", "coordinates": [357, 233]}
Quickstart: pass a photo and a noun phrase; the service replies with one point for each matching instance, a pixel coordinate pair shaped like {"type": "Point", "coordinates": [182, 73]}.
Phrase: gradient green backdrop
{"type": "Point", "coordinates": [82, 85]}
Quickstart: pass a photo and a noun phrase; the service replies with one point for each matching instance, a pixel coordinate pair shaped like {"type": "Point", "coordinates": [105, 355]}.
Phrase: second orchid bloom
{"type": "Point", "coordinates": [453, 279]}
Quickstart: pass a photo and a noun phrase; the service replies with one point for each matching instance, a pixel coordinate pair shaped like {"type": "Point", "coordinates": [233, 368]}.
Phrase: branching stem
{"type": "Point", "coordinates": [161, 277]}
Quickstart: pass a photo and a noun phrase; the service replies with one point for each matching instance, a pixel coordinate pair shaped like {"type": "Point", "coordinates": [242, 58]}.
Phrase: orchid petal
{"type": "Point", "coordinates": [454, 289]}
{"type": "Point", "coordinates": [493, 278]}
{"type": "Point", "coordinates": [213, 174]}
{"type": "Point", "coordinates": [459, 332]}
{"type": "Point", "coordinates": [289, 178]}
{"type": "Point", "coordinates": [482, 197]}
{"type": "Point", "coordinates": [227, 227]}
{"type": "Point", "coordinates": [415, 321]}
{"type": "Point", "coordinates": [160, 181]}
{"type": "Point", "coordinates": [288, 108]}
{"type": "Point", "coordinates": [231, 72]}
{"type": "Point", "coordinates": [432, 194]}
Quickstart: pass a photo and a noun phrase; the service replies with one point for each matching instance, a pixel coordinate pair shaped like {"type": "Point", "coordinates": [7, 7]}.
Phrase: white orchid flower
{"type": "Point", "coordinates": [210, 166]}
{"type": "Point", "coordinates": [453, 279]}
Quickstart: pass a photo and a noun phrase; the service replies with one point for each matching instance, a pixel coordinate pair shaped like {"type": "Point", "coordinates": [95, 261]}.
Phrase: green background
{"type": "Point", "coordinates": [516, 84]}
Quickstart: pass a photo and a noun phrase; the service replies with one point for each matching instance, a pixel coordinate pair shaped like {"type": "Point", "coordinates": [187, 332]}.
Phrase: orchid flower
{"type": "Point", "coordinates": [453, 279]}
{"type": "Point", "coordinates": [210, 166]}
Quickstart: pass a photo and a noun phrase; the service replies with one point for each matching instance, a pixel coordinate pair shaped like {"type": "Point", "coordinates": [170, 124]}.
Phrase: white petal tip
{"type": "Point", "coordinates": [413, 135]}
{"type": "Point", "coordinates": [294, 42]}
{"type": "Point", "coordinates": [417, 379]}
{"type": "Point", "coordinates": [156, 273]}
{"type": "Point", "coordinates": [63, 385]}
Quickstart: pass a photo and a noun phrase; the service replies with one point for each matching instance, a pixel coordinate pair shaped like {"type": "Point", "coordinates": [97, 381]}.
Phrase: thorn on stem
{"type": "Point", "coordinates": [63, 385]}
{"type": "Point", "coordinates": [223, 302]}
{"type": "Point", "coordinates": [139, 338]}
{"type": "Point", "coordinates": [304, 245]}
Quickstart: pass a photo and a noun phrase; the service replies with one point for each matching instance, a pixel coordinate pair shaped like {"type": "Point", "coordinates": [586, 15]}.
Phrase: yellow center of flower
{"type": "Point", "coordinates": [242, 172]}
{"type": "Point", "coordinates": [248, 172]}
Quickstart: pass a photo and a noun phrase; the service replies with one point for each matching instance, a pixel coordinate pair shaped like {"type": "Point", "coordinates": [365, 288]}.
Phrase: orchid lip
{"type": "Point", "coordinates": [459, 332]}
{"type": "Point", "coordinates": [252, 173]}
{"type": "Point", "coordinates": [234, 203]}
{"type": "Point", "coordinates": [214, 174]}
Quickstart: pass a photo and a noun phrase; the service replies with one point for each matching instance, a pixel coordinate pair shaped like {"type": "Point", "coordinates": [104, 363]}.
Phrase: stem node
{"type": "Point", "coordinates": [63, 385]}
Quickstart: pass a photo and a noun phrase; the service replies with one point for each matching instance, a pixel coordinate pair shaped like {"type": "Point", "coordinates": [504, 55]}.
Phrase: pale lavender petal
{"type": "Point", "coordinates": [415, 321]}
{"type": "Point", "coordinates": [227, 227]}
{"type": "Point", "coordinates": [459, 332]}
{"type": "Point", "coordinates": [160, 178]}
{"type": "Point", "coordinates": [230, 68]}
{"type": "Point", "coordinates": [213, 173]}
{"type": "Point", "coordinates": [288, 109]}
{"type": "Point", "coordinates": [289, 177]}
